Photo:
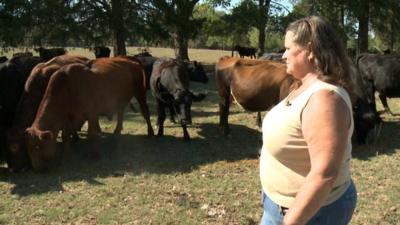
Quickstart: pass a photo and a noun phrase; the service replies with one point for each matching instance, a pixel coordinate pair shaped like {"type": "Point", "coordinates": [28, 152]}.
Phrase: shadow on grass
{"type": "Point", "coordinates": [137, 155]}
{"type": "Point", "coordinates": [387, 143]}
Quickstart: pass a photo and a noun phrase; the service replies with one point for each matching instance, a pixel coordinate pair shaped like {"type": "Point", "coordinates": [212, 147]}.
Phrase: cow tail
{"type": "Point", "coordinates": [144, 79]}
{"type": "Point", "coordinates": [359, 56]}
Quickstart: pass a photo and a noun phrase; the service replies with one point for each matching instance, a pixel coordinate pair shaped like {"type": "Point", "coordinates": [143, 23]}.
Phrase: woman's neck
{"type": "Point", "coordinates": [307, 80]}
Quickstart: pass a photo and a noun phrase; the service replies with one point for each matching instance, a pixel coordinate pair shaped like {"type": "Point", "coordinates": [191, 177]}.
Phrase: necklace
{"type": "Point", "coordinates": [287, 102]}
{"type": "Point", "coordinates": [300, 90]}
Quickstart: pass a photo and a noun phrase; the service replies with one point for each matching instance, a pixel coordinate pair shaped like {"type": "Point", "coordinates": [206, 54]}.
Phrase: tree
{"type": "Point", "coordinates": [13, 17]}
{"type": "Point", "coordinates": [214, 29]}
{"type": "Point", "coordinates": [108, 19]}
{"type": "Point", "coordinates": [177, 17]}
{"type": "Point", "coordinates": [385, 22]}
{"type": "Point", "coordinates": [35, 22]}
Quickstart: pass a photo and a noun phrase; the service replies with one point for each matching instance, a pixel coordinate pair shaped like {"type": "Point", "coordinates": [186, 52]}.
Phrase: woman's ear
{"type": "Point", "coordinates": [310, 56]}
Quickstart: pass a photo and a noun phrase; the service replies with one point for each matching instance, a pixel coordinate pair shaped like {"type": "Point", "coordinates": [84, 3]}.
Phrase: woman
{"type": "Point", "coordinates": [305, 158]}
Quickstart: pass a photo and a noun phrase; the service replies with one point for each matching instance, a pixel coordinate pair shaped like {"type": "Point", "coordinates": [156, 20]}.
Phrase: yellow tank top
{"type": "Point", "coordinates": [284, 160]}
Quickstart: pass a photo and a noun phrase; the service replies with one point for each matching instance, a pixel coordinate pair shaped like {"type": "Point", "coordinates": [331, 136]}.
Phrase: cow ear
{"type": "Point", "coordinates": [46, 135]}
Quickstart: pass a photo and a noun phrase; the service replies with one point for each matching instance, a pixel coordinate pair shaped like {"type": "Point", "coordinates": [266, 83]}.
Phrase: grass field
{"type": "Point", "coordinates": [212, 179]}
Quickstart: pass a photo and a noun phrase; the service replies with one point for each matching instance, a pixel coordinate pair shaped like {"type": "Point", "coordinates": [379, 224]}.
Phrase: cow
{"type": "Point", "coordinates": [144, 53]}
{"type": "Point", "coordinates": [256, 85]}
{"type": "Point", "coordinates": [102, 52]}
{"type": "Point", "coordinates": [383, 73]}
{"type": "Point", "coordinates": [272, 56]}
{"type": "Point", "coordinates": [3, 59]}
{"type": "Point", "coordinates": [78, 92]}
{"type": "Point", "coordinates": [245, 51]}
{"type": "Point", "coordinates": [364, 113]}
{"type": "Point", "coordinates": [23, 54]}
{"type": "Point", "coordinates": [13, 74]}
{"type": "Point", "coordinates": [195, 69]}
{"type": "Point", "coordinates": [47, 54]}
{"type": "Point", "coordinates": [169, 84]}
{"type": "Point", "coordinates": [35, 86]}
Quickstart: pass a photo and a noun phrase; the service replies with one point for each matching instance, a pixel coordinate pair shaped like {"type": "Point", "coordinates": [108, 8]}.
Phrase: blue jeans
{"type": "Point", "coordinates": [337, 213]}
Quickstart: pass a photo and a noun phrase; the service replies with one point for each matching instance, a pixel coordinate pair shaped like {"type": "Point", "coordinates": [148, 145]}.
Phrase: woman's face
{"type": "Point", "coordinates": [296, 57]}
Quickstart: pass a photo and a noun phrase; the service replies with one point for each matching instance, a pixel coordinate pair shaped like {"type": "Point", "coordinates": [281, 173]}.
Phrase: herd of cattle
{"type": "Point", "coordinates": [39, 98]}
{"type": "Point", "coordinates": [56, 92]}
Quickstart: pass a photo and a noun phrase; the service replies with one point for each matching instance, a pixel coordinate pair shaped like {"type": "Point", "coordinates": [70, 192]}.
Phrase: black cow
{"type": "Point", "coordinates": [364, 113]}
{"type": "Point", "coordinates": [102, 52]}
{"type": "Point", "coordinates": [21, 54]}
{"type": "Point", "coordinates": [47, 54]}
{"type": "Point", "coordinates": [196, 70]}
{"type": "Point", "coordinates": [245, 51]}
{"type": "Point", "coordinates": [169, 84]}
{"type": "Point", "coordinates": [383, 74]}
{"type": "Point", "coordinates": [13, 75]}
{"type": "Point", "coordinates": [3, 59]}
{"type": "Point", "coordinates": [143, 53]}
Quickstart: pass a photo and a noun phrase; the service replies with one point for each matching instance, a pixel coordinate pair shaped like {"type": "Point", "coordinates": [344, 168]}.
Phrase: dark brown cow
{"type": "Point", "coordinates": [256, 85]}
{"type": "Point", "coordinates": [35, 86]}
{"type": "Point", "coordinates": [77, 92]}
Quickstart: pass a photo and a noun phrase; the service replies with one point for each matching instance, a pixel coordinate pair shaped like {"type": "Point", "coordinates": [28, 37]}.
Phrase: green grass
{"type": "Point", "coordinates": [163, 180]}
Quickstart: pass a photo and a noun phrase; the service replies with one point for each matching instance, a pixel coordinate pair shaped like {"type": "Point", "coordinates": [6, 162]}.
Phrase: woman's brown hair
{"type": "Point", "coordinates": [330, 57]}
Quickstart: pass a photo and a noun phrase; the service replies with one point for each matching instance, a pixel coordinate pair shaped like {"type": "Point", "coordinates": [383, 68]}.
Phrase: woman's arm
{"type": "Point", "coordinates": [325, 124]}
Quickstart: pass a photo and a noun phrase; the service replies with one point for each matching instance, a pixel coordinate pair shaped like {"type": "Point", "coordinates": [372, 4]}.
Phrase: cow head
{"type": "Point", "coordinates": [197, 73]}
{"type": "Point", "coordinates": [182, 103]}
{"type": "Point", "coordinates": [17, 154]}
{"type": "Point", "coordinates": [41, 148]}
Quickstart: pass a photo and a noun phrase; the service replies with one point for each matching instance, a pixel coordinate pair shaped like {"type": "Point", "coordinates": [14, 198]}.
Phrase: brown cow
{"type": "Point", "coordinates": [77, 92]}
{"type": "Point", "coordinates": [35, 86]}
{"type": "Point", "coordinates": [256, 85]}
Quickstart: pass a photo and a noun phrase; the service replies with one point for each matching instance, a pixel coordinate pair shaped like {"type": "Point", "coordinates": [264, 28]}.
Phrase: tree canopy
{"type": "Point", "coordinates": [180, 24]}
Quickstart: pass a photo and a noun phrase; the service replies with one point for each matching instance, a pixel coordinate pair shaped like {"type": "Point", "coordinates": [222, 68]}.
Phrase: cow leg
{"type": "Point", "coordinates": [186, 136]}
{"type": "Point", "coordinates": [160, 117]}
{"type": "Point", "coordinates": [93, 136]}
{"type": "Point", "coordinates": [172, 113]}
{"type": "Point", "coordinates": [66, 138]}
{"type": "Point", "coordinates": [120, 118]}
{"type": "Point", "coordinates": [383, 99]}
{"type": "Point", "coordinates": [224, 104]}
{"type": "Point", "coordinates": [144, 109]}
{"type": "Point", "coordinates": [258, 120]}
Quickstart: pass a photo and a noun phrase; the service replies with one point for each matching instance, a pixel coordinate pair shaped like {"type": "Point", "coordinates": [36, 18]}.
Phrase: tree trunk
{"type": "Point", "coordinates": [263, 14]}
{"type": "Point", "coordinates": [363, 20]}
{"type": "Point", "coordinates": [181, 48]}
{"type": "Point", "coordinates": [118, 27]}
